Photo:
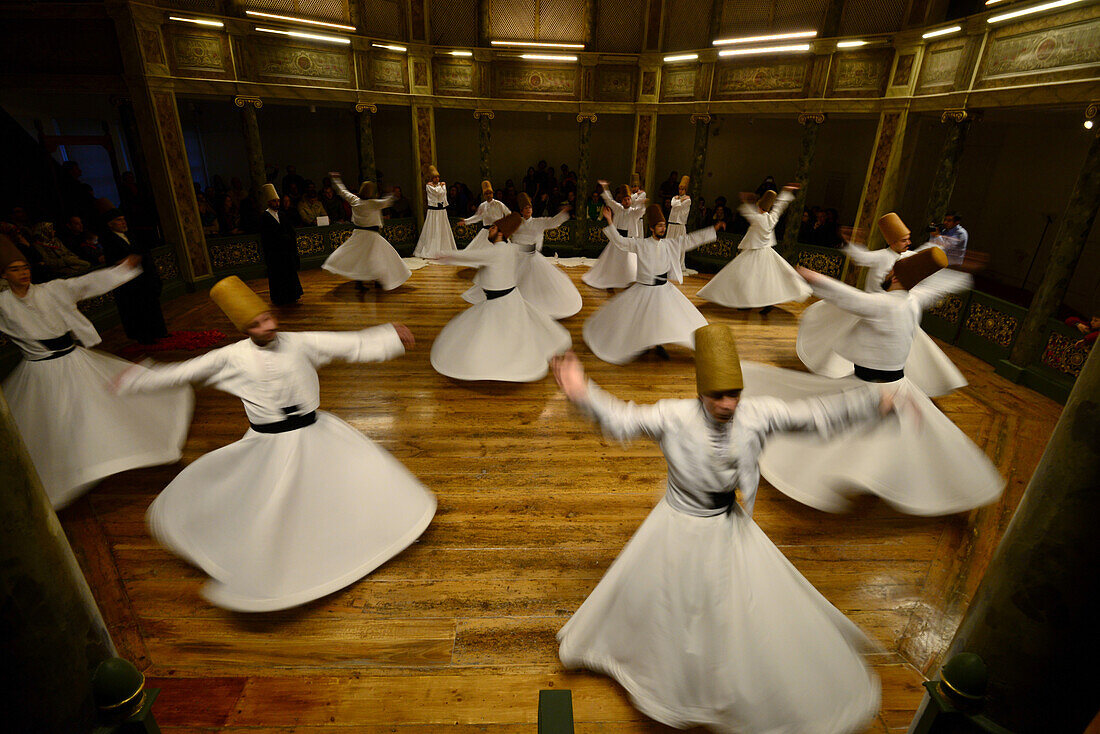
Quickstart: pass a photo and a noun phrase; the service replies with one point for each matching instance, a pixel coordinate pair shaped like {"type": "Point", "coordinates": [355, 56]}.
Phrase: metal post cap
{"type": "Point", "coordinates": [117, 686]}
{"type": "Point", "coordinates": [965, 677]}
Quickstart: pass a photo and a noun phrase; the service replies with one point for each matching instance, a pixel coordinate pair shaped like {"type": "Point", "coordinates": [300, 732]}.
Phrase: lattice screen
{"type": "Point", "coordinates": [336, 10]}
{"type": "Point", "coordinates": [620, 26]}
{"type": "Point", "coordinates": [688, 24]}
{"type": "Point", "coordinates": [871, 16]}
{"type": "Point", "coordinates": [383, 19]}
{"type": "Point", "coordinates": [537, 20]}
{"type": "Point", "coordinates": [216, 7]}
{"type": "Point", "coordinates": [741, 17]}
{"type": "Point", "coordinates": [453, 22]}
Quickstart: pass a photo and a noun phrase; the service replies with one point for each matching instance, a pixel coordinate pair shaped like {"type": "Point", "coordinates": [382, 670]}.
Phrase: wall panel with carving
{"type": "Point", "coordinates": [384, 72]}
{"type": "Point", "coordinates": [678, 83]}
{"type": "Point", "coordinates": [198, 53]}
{"type": "Point", "coordinates": [1056, 47]}
{"type": "Point", "coordinates": [940, 65]}
{"type": "Point", "coordinates": [760, 79]}
{"type": "Point", "coordinates": [616, 83]}
{"type": "Point", "coordinates": [523, 81]}
{"type": "Point", "coordinates": [859, 74]}
{"type": "Point", "coordinates": [298, 64]}
{"type": "Point", "coordinates": [456, 78]}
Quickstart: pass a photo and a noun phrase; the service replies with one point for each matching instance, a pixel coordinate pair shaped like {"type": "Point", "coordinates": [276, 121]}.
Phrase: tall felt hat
{"type": "Point", "coordinates": [635, 180]}
{"type": "Point", "coordinates": [432, 171]}
{"type": "Point", "coordinates": [112, 214]}
{"type": "Point", "coordinates": [9, 253]}
{"type": "Point", "coordinates": [621, 192]}
{"type": "Point", "coordinates": [685, 181]}
{"type": "Point", "coordinates": [766, 200]}
{"type": "Point", "coordinates": [486, 187]}
{"type": "Point", "coordinates": [367, 190]}
{"type": "Point", "coordinates": [913, 269]}
{"type": "Point", "coordinates": [717, 367]}
{"type": "Point", "coordinates": [892, 228]}
{"type": "Point", "coordinates": [523, 200]}
{"type": "Point", "coordinates": [268, 193]}
{"type": "Point", "coordinates": [653, 216]}
{"type": "Point", "coordinates": [508, 225]}
{"type": "Point", "coordinates": [238, 301]}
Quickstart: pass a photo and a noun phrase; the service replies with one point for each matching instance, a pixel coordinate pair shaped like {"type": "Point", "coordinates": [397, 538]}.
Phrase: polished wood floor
{"type": "Point", "coordinates": [457, 632]}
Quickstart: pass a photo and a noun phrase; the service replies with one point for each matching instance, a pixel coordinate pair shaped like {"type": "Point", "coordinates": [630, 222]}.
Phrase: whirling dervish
{"type": "Point", "coordinates": [617, 268]}
{"type": "Point", "coordinates": [488, 211]}
{"type": "Point", "coordinates": [366, 256]}
{"type": "Point", "coordinates": [436, 238]}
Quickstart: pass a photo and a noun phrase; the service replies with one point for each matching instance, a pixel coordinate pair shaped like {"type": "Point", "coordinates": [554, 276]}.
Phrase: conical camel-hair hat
{"type": "Point", "coordinates": [367, 190]}
{"type": "Point", "coordinates": [635, 180]}
{"type": "Point", "coordinates": [892, 228]}
{"type": "Point", "coordinates": [486, 187]}
{"type": "Point", "coordinates": [432, 171]}
{"type": "Point", "coordinates": [913, 269]}
{"type": "Point", "coordinates": [508, 225]}
{"type": "Point", "coordinates": [621, 192]}
{"type": "Point", "coordinates": [766, 200]}
{"type": "Point", "coordinates": [653, 216]}
{"type": "Point", "coordinates": [685, 181]}
{"type": "Point", "coordinates": [268, 193]}
{"type": "Point", "coordinates": [523, 200]}
{"type": "Point", "coordinates": [717, 367]}
{"type": "Point", "coordinates": [9, 253]}
{"type": "Point", "coordinates": [239, 302]}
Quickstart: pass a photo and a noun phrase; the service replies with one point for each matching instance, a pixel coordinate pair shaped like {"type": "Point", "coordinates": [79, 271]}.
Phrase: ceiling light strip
{"type": "Point", "coordinates": [198, 21]}
{"type": "Point", "coordinates": [681, 57]}
{"type": "Point", "coordinates": [1031, 10]}
{"type": "Point", "coordinates": [942, 31]}
{"type": "Point", "coordinates": [756, 39]}
{"type": "Point", "coordinates": [306, 36]}
{"type": "Point", "coordinates": [307, 21]}
{"type": "Point", "coordinates": [765, 50]}
{"type": "Point", "coordinates": [538, 44]}
{"type": "Point", "coordinates": [851, 44]}
{"type": "Point", "coordinates": [547, 57]}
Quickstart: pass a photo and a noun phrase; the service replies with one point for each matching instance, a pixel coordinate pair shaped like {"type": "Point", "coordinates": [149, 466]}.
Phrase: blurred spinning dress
{"type": "Point", "coordinates": [617, 268]}
{"type": "Point", "coordinates": [366, 255]}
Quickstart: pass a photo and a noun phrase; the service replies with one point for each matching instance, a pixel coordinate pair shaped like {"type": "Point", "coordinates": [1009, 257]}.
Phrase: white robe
{"type": "Point", "coordinates": [918, 461]}
{"type": "Point", "coordinates": [279, 519]}
{"type": "Point", "coordinates": [701, 619]}
{"type": "Point", "coordinates": [487, 213]}
{"type": "Point", "coordinates": [367, 255]}
{"type": "Point", "coordinates": [647, 314]}
{"type": "Point", "coordinates": [76, 431]}
{"type": "Point", "coordinates": [677, 225]}
{"type": "Point", "coordinates": [823, 325]}
{"type": "Point", "coordinates": [436, 238]}
{"type": "Point", "coordinates": [616, 268]}
{"type": "Point", "coordinates": [758, 276]}
{"type": "Point", "coordinates": [502, 338]}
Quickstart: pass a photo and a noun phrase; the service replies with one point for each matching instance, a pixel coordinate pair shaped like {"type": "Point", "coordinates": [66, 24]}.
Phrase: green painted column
{"type": "Point", "coordinates": [257, 170]}
{"type": "Point", "coordinates": [958, 123]}
{"type": "Point", "coordinates": [584, 145]}
{"type": "Point", "coordinates": [698, 164]}
{"type": "Point", "coordinates": [485, 142]}
{"type": "Point", "coordinates": [367, 170]}
{"type": "Point", "coordinates": [53, 635]}
{"type": "Point", "coordinates": [810, 124]}
{"type": "Point", "coordinates": [1033, 618]}
{"type": "Point", "coordinates": [1077, 221]}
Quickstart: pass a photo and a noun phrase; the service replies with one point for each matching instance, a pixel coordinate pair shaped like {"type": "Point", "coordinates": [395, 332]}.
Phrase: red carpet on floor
{"type": "Point", "coordinates": [177, 341]}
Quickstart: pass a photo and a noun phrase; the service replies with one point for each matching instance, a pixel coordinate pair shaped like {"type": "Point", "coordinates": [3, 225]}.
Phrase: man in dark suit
{"type": "Point", "coordinates": [138, 301]}
{"type": "Point", "coordinates": [280, 250]}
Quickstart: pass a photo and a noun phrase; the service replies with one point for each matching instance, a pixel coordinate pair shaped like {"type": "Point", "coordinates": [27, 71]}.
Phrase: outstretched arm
{"type": "Point", "coordinates": [826, 414]}
{"type": "Point", "coordinates": [101, 281]}
{"type": "Point", "coordinates": [699, 237]}
{"type": "Point", "coordinates": [618, 419]}
{"type": "Point", "coordinates": [786, 196]}
{"type": "Point", "coordinates": [479, 215]}
{"type": "Point", "coordinates": [860, 255]}
{"type": "Point", "coordinates": [626, 244]}
{"type": "Point", "coordinates": [932, 289]}
{"type": "Point", "coordinates": [204, 370]}
{"type": "Point", "coordinates": [338, 184]}
{"type": "Point", "coordinates": [376, 344]}
{"type": "Point", "coordinates": [840, 294]}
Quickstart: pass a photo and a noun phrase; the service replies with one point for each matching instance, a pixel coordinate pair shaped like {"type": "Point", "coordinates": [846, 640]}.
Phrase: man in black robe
{"type": "Point", "coordinates": [138, 301]}
{"type": "Point", "coordinates": [279, 244]}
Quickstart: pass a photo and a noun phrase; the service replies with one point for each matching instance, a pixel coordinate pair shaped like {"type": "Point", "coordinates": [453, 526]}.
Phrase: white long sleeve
{"type": "Point", "coordinates": [97, 282]}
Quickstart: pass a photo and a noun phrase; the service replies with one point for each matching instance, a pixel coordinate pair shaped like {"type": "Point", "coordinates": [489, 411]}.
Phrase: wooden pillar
{"type": "Point", "coordinates": [881, 183]}
{"type": "Point", "coordinates": [137, 153]}
{"type": "Point", "coordinates": [1077, 221]}
{"type": "Point", "coordinates": [645, 149]}
{"type": "Point", "coordinates": [484, 142]}
{"type": "Point", "coordinates": [53, 633]}
{"type": "Point", "coordinates": [830, 23]}
{"type": "Point", "coordinates": [363, 112]}
{"type": "Point", "coordinates": [253, 144]}
{"type": "Point", "coordinates": [483, 30]}
{"type": "Point", "coordinates": [698, 164]}
{"type": "Point", "coordinates": [810, 124]}
{"type": "Point", "coordinates": [958, 123]}
{"type": "Point", "coordinates": [423, 128]}
{"type": "Point", "coordinates": [584, 139]}
{"type": "Point", "coordinates": [1032, 619]}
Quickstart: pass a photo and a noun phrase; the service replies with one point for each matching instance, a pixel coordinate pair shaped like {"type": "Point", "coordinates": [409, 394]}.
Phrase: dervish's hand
{"type": "Point", "coordinates": [792, 187]}
{"type": "Point", "coordinates": [608, 215]}
{"type": "Point", "coordinates": [886, 403]}
{"type": "Point", "coordinates": [810, 276]}
{"type": "Point", "coordinates": [570, 376]}
{"type": "Point", "coordinates": [334, 174]}
{"type": "Point", "coordinates": [602, 182]}
{"type": "Point", "coordinates": [404, 334]}
{"type": "Point", "coordinates": [719, 226]}
{"type": "Point", "coordinates": [747, 197]}
{"type": "Point", "coordinates": [115, 385]}
{"type": "Point", "coordinates": [132, 261]}
{"type": "Point", "coordinates": [853, 235]}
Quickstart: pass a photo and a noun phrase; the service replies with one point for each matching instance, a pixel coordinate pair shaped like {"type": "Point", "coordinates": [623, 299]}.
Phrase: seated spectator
{"type": "Point", "coordinates": [59, 260]}
{"type": "Point", "coordinates": [293, 184]}
{"type": "Point", "coordinates": [702, 210]}
{"type": "Point", "coordinates": [39, 274]}
{"type": "Point", "coordinates": [670, 186]}
{"type": "Point", "coordinates": [768, 184]}
{"type": "Point", "coordinates": [594, 208]}
{"type": "Point", "coordinates": [208, 216]}
{"type": "Point", "coordinates": [806, 227]}
{"type": "Point", "coordinates": [89, 249]}
{"type": "Point", "coordinates": [510, 194]}
{"type": "Point", "coordinates": [1090, 329]}
{"type": "Point", "coordinates": [399, 208]}
{"type": "Point", "coordinates": [309, 208]}
{"type": "Point", "coordinates": [229, 222]}
{"type": "Point", "coordinates": [721, 212]}
{"type": "Point", "coordinates": [333, 204]}
{"type": "Point", "coordinates": [71, 233]}
{"type": "Point", "coordinates": [237, 190]}
{"type": "Point", "coordinates": [825, 233]}
{"type": "Point", "coordinates": [250, 214]}
{"type": "Point", "coordinates": [287, 208]}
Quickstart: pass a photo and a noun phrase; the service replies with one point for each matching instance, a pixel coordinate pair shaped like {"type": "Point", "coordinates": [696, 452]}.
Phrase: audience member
{"type": "Point", "coordinates": [333, 204]}
{"type": "Point", "coordinates": [951, 236]}
{"type": "Point", "coordinates": [39, 272]}
{"type": "Point", "coordinates": [207, 216]}
{"type": "Point", "coordinates": [229, 219]}
{"type": "Point", "coordinates": [138, 301]}
{"type": "Point", "coordinates": [670, 186]}
{"type": "Point", "coordinates": [400, 207]}
{"type": "Point", "coordinates": [293, 184]}
{"type": "Point", "coordinates": [89, 249]}
{"type": "Point", "coordinates": [71, 233]}
{"type": "Point", "coordinates": [288, 209]}
{"type": "Point", "coordinates": [59, 260]}
{"type": "Point", "coordinates": [1090, 329]}
{"type": "Point", "coordinates": [309, 208]}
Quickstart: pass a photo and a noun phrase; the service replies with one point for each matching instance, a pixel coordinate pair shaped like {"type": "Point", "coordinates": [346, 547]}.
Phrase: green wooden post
{"type": "Point", "coordinates": [555, 712]}
{"type": "Point", "coordinates": [810, 123]}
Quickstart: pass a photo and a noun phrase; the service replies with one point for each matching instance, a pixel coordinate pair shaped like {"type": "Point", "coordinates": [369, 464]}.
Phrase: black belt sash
{"type": "Point", "coordinates": [486, 226]}
{"type": "Point", "coordinates": [58, 345]}
{"type": "Point", "coordinates": [491, 295]}
{"type": "Point", "coordinates": [623, 232]}
{"type": "Point", "coordinates": [437, 207]}
{"type": "Point", "coordinates": [525, 248]}
{"type": "Point", "coordinates": [660, 279]}
{"type": "Point", "coordinates": [372, 228]}
{"type": "Point", "coordinates": [868, 374]}
{"type": "Point", "coordinates": [292, 423]}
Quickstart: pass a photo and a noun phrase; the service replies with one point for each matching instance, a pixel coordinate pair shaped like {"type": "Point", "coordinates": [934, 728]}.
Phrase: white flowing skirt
{"type": "Point", "coordinates": [277, 520]}
{"type": "Point", "coordinates": [480, 240]}
{"type": "Point", "coordinates": [78, 432]}
{"type": "Point", "coordinates": [504, 339]}
{"type": "Point", "coordinates": [676, 229]}
{"type": "Point", "coordinates": [641, 317]}
{"type": "Point", "coordinates": [755, 279]}
{"type": "Point", "coordinates": [541, 284]}
{"type": "Point", "coordinates": [614, 268]}
{"type": "Point", "coordinates": [436, 238]}
{"type": "Point", "coordinates": [823, 325]}
{"type": "Point", "coordinates": [705, 623]}
{"type": "Point", "coordinates": [916, 459]}
{"type": "Point", "coordinates": [368, 256]}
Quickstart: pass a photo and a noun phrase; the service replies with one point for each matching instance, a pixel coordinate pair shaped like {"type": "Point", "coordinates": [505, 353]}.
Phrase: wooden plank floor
{"type": "Point", "coordinates": [457, 632]}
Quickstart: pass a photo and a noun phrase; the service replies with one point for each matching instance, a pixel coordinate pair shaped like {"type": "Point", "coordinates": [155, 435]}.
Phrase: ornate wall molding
{"type": "Point", "coordinates": [818, 117]}
{"type": "Point", "coordinates": [241, 101]}
{"type": "Point", "coordinates": [703, 117]}
{"type": "Point", "coordinates": [366, 107]}
{"type": "Point", "coordinates": [1092, 111]}
{"type": "Point", "coordinates": [479, 113]}
{"type": "Point", "coordinates": [960, 115]}
{"type": "Point", "coordinates": [582, 116]}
